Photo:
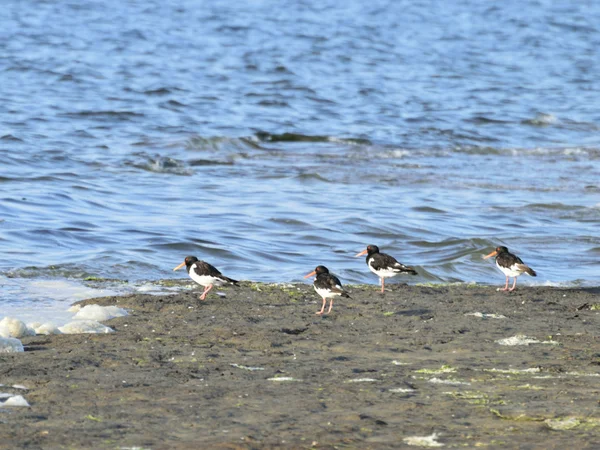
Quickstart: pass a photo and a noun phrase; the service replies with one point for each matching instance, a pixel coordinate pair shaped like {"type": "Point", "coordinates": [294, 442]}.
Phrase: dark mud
{"type": "Point", "coordinates": [258, 369]}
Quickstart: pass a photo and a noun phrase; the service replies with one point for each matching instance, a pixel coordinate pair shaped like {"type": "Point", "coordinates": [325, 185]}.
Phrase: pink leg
{"type": "Point", "coordinates": [330, 306]}
{"type": "Point", "coordinates": [506, 285]}
{"type": "Point", "coordinates": [382, 284]}
{"type": "Point", "coordinates": [514, 285]}
{"type": "Point", "coordinates": [203, 296]}
{"type": "Point", "coordinates": [322, 308]}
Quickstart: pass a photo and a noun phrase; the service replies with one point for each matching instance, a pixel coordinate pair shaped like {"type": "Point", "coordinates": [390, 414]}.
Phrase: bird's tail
{"type": "Point", "coordinates": [409, 270]}
{"type": "Point", "coordinates": [528, 270]}
{"type": "Point", "coordinates": [231, 280]}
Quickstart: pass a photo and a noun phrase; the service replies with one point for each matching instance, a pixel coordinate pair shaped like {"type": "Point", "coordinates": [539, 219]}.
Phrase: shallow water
{"type": "Point", "coordinates": [271, 137]}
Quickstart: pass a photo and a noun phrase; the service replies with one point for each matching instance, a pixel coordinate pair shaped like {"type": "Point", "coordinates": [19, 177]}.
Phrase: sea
{"type": "Point", "coordinates": [269, 137]}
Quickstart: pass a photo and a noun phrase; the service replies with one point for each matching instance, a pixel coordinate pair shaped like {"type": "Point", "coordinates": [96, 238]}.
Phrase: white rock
{"type": "Point", "coordinates": [16, 400]}
{"type": "Point", "coordinates": [14, 328]}
{"type": "Point", "coordinates": [85, 326]}
{"type": "Point", "coordinates": [100, 313]}
{"type": "Point", "coordinates": [10, 345]}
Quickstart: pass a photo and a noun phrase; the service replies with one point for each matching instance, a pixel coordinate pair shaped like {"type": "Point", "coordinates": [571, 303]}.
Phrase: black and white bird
{"type": "Point", "coordinates": [204, 274]}
{"type": "Point", "coordinates": [327, 286]}
{"type": "Point", "coordinates": [511, 265]}
{"type": "Point", "coordinates": [384, 266]}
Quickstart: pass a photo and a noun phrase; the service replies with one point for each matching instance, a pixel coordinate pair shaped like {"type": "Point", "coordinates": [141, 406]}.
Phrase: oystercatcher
{"type": "Point", "coordinates": [327, 286]}
{"type": "Point", "coordinates": [384, 266]}
{"type": "Point", "coordinates": [511, 265]}
{"type": "Point", "coordinates": [204, 274]}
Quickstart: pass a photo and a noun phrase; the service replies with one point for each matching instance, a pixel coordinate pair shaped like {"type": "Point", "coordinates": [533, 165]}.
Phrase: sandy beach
{"type": "Point", "coordinates": [255, 367]}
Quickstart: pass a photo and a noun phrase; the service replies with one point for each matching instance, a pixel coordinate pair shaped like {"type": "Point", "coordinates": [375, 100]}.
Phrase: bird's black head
{"type": "Point", "coordinates": [321, 269]}
{"type": "Point", "coordinates": [371, 249]}
{"type": "Point", "coordinates": [501, 249]}
{"type": "Point", "coordinates": [189, 260]}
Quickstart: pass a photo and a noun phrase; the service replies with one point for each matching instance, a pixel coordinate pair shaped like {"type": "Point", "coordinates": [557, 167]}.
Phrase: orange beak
{"type": "Point", "coordinates": [494, 253]}
{"type": "Point", "coordinates": [364, 252]}
{"type": "Point", "coordinates": [314, 272]}
{"type": "Point", "coordinates": [179, 266]}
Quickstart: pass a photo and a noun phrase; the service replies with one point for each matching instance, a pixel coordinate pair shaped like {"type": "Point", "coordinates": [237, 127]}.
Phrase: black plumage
{"type": "Point", "coordinates": [204, 269]}
{"type": "Point", "coordinates": [327, 286]}
{"type": "Point", "coordinates": [384, 265]}
{"type": "Point", "coordinates": [204, 274]}
{"type": "Point", "coordinates": [382, 261]}
{"type": "Point", "coordinates": [511, 265]}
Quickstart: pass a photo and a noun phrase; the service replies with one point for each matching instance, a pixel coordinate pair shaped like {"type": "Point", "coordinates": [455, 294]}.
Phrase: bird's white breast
{"type": "Point", "coordinates": [326, 293]}
{"type": "Point", "coordinates": [383, 273]}
{"type": "Point", "coordinates": [512, 271]}
{"type": "Point", "coordinates": [204, 280]}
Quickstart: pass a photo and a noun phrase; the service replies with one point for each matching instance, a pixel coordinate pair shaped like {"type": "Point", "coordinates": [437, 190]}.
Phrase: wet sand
{"type": "Point", "coordinates": [258, 369]}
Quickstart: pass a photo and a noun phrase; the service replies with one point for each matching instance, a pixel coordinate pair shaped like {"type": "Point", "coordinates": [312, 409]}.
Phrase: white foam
{"type": "Point", "coordinates": [16, 400]}
{"type": "Point", "coordinates": [44, 328]}
{"type": "Point", "coordinates": [486, 315]}
{"type": "Point", "coordinates": [14, 328]}
{"type": "Point", "coordinates": [99, 313]}
{"type": "Point", "coordinates": [85, 326]}
{"type": "Point", "coordinates": [424, 441]}
{"type": "Point", "coordinates": [362, 380]}
{"type": "Point", "coordinates": [515, 371]}
{"type": "Point", "coordinates": [10, 345]}
{"type": "Point", "coordinates": [520, 339]}
{"type": "Point", "coordinates": [282, 379]}
{"type": "Point", "coordinates": [251, 369]}
{"type": "Point", "coordinates": [562, 424]}
{"type": "Point", "coordinates": [401, 390]}
{"type": "Point", "coordinates": [450, 382]}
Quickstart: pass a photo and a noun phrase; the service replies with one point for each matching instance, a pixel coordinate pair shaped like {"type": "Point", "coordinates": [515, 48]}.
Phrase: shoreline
{"type": "Point", "coordinates": [258, 369]}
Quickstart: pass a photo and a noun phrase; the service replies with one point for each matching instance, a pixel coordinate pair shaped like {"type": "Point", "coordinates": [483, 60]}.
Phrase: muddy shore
{"type": "Point", "coordinates": [258, 369]}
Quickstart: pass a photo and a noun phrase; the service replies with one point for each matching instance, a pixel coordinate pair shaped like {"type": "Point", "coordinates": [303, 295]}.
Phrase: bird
{"type": "Point", "coordinates": [384, 266]}
{"type": "Point", "coordinates": [204, 274]}
{"type": "Point", "coordinates": [327, 286]}
{"type": "Point", "coordinates": [511, 265]}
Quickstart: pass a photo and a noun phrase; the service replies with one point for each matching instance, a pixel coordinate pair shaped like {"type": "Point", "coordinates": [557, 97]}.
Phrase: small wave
{"type": "Point", "coordinates": [541, 120]}
{"type": "Point", "coordinates": [589, 152]}
{"type": "Point", "coordinates": [11, 138]}
{"type": "Point", "coordinates": [161, 164]}
{"type": "Point", "coordinates": [296, 137]}
{"type": "Point", "coordinates": [220, 143]}
{"type": "Point", "coordinates": [429, 209]}
{"type": "Point", "coordinates": [311, 176]}
{"type": "Point", "coordinates": [111, 115]}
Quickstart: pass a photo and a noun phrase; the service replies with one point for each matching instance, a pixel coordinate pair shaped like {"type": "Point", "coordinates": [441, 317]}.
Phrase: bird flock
{"type": "Point", "coordinates": [328, 286]}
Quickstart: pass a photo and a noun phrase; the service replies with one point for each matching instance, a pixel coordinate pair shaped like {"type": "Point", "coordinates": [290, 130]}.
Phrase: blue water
{"type": "Point", "coordinates": [268, 137]}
